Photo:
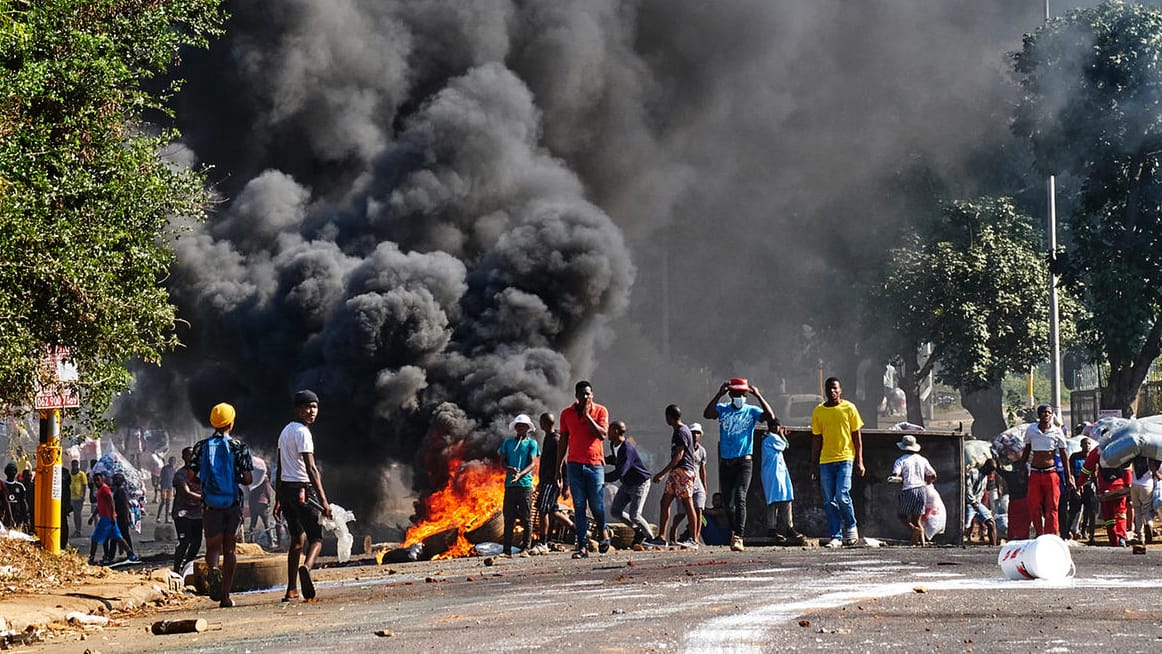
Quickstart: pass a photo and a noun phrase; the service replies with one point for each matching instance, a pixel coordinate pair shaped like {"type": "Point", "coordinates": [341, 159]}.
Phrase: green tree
{"type": "Point", "coordinates": [972, 284]}
{"type": "Point", "coordinates": [88, 199]}
{"type": "Point", "coordinates": [1092, 107]}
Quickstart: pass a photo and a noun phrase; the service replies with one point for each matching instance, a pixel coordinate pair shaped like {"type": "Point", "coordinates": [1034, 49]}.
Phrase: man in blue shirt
{"type": "Point", "coordinates": [736, 424]}
{"type": "Point", "coordinates": [518, 455]}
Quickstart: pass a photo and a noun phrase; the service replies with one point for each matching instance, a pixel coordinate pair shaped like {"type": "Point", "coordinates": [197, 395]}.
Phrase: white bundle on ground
{"type": "Point", "coordinates": [337, 523]}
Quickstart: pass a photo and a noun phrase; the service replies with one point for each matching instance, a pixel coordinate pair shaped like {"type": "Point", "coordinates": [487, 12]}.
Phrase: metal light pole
{"type": "Point", "coordinates": [1054, 324]}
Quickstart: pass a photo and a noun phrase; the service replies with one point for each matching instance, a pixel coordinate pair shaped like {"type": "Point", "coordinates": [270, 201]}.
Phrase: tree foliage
{"type": "Point", "coordinates": [972, 284]}
{"type": "Point", "coordinates": [88, 198]}
{"type": "Point", "coordinates": [1092, 107]}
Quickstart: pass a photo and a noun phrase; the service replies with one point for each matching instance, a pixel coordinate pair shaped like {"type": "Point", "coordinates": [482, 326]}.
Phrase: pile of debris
{"type": "Point", "coordinates": [27, 568]}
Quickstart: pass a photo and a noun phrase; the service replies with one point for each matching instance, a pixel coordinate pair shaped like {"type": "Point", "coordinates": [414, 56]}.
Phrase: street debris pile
{"type": "Point", "coordinates": [26, 568]}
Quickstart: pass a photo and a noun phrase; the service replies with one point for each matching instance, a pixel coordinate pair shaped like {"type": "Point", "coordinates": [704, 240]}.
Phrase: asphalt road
{"type": "Point", "coordinates": [762, 600]}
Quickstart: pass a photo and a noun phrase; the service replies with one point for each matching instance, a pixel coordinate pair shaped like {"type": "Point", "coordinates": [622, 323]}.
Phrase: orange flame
{"type": "Point", "coordinates": [474, 493]}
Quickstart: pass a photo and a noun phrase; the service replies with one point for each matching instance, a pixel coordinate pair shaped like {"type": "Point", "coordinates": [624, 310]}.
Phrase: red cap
{"type": "Point", "coordinates": [738, 384]}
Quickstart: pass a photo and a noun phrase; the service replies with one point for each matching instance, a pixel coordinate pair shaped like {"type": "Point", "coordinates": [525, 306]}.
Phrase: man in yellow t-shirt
{"type": "Point", "coordinates": [78, 488]}
{"type": "Point", "coordinates": [837, 447]}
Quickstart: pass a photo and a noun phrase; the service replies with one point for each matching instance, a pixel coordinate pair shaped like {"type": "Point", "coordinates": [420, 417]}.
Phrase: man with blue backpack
{"type": "Point", "coordinates": [221, 463]}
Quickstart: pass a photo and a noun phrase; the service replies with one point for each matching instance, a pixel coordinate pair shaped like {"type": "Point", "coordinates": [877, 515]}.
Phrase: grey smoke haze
{"type": "Point", "coordinates": [434, 213]}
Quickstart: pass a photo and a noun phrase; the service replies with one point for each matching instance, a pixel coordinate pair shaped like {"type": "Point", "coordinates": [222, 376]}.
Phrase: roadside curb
{"type": "Point", "coordinates": [122, 592]}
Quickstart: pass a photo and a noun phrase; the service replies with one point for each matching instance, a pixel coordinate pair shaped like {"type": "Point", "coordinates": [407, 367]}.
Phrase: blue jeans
{"type": "Point", "coordinates": [835, 482]}
{"type": "Point", "coordinates": [585, 482]}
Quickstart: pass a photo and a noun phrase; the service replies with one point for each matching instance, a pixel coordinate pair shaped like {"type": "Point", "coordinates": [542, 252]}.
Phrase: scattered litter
{"type": "Point", "coordinates": [76, 617]}
{"type": "Point", "coordinates": [919, 589]}
{"type": "Point", "coordinates": [617, 612]}
{"type": "Point", "coordinates": [489, 549]}
{"type": "Point", "coordinates": [804, 623]}
{"type": "Point", "coordinates": [385, 633]}
{"type": "Point", "coordinates": [337, 524]}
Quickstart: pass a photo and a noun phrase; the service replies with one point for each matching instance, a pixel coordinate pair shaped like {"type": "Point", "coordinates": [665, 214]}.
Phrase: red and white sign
{"type": "Point", "coordinates": [56, 369]}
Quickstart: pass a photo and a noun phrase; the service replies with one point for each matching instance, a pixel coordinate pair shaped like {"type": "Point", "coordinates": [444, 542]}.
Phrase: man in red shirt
{"type": "Point", "coordinates": [582, 447]}
{"type": "Point", "coordinates": [106, 529]}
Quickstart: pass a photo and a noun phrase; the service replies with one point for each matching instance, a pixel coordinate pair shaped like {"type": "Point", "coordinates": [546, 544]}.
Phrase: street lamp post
{"type": "Point", "coordinates": [1054, 323]}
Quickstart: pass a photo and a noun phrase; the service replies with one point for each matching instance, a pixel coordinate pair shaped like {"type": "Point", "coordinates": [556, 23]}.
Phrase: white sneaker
{"type": "Point", "coordinates": [688, 544]}
{"type": "Point", "coordinates": [834, 544]}
{"type": "Point", "coordinates": [736, 544]}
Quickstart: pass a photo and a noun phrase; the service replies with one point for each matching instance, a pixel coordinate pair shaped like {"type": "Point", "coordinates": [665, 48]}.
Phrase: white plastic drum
{"type": "Point", "coordinates": [1045, 557]}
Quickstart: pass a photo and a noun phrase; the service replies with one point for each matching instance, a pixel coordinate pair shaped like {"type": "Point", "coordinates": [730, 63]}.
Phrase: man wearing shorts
{"type": "Point", "coordinates": [221, 525]}
{"type": "Point", "coordinates": [299, 495]}
{"type": "Point", "coordinates": [679, 476]}
{"type": "Point", "coordinates": [106, 518]}
{"type": "Point", "coordinates": [548, 483]}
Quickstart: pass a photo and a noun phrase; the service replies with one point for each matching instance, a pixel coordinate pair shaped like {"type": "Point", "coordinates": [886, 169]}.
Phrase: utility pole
{"type": "Point", "coordinates": [47, 521]}
{"type": "Point", "coordinates": [1054, 322]}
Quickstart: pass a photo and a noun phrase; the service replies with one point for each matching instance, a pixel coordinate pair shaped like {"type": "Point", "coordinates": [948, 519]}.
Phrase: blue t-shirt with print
{"type": "Point", "coordinates": [736, 429]}
{"type": "Point", "coordinates": [518, 454]}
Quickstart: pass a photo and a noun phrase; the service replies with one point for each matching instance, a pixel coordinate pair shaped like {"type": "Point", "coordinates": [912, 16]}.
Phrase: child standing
{"type": "Point", "coordinates": [518, 455]}
{"type": "Point", "coordinates": [777, 487]}
{"type": "Point", "coordinates": [915, 473]}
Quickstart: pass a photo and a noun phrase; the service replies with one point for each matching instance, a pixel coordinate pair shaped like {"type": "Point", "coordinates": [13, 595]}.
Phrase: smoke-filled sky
{"type": "Point", "coordinates": [445, 213]}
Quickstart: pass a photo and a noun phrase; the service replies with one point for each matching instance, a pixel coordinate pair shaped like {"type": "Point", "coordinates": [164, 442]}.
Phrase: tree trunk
{"type": "Point", "coordinates": [988, 417]}
{"type": "Point", "coordinates": [1122, 390]}
{"type": "Point", "coordinates": [911, 378]}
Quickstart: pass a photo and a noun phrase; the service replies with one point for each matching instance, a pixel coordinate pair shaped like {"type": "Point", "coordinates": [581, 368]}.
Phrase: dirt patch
{"type": "Point", "coordinates": [27, 568]}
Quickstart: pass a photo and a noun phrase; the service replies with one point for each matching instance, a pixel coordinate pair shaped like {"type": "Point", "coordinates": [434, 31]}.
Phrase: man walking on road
{"type": "Point", "coordinates": [299, 495]}
{"type": "Point", "coordinates": [736, 424]}
{"type": "Point", "coordinates": [679, 477]}
{"type": "Point", "coordinates": [584, 426]}
{"type": "Point", "coordinates": [220, 474]}
{"type": "Point", "coordinates": [837, 447]}
{"type": "Point", "coordinates": [635, 483]}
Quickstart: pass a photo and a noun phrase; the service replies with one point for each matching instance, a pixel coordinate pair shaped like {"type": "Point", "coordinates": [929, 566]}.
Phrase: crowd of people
{"type": "Point", "coordinates": [1048, 490]}
{"type": "Point", "coordinates": [575, 464]}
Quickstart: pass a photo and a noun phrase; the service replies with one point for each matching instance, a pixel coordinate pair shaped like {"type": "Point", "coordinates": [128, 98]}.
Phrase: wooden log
{"type": "Point", "coordinates": [166, 627]}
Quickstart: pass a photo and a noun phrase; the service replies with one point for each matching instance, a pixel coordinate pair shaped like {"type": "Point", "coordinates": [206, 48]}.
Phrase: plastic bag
{"type": "Point", "coordinates": [337, 523]}
{"type": "Point", "coordinates": [935, 516]}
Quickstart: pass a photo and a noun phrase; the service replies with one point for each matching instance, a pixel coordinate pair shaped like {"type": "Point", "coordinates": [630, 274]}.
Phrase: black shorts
{"type": "Point", "coordinates": [547, 495]}
{"type": "Point", "coordinates": [301, 517]}
{"type": "Point", "coordinates": [216, 522]}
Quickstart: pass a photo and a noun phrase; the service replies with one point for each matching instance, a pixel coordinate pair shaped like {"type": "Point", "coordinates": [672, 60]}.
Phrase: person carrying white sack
{"type": "Point", "coordinates": [915, 473]}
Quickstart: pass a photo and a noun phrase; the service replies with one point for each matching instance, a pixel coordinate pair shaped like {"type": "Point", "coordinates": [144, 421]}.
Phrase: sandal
{"type": "Point", "coordinates": [290, 596]}
{"type": "Point", "coordinates": [305, 583]}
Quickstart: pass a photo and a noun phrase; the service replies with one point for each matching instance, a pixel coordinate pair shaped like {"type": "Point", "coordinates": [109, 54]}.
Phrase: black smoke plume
{"type": "Point", "coordinates": [431, 211]}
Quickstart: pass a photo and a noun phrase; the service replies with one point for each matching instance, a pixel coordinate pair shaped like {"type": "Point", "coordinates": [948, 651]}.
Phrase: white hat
{"type": "Point", "coordinates": [696, 427]}
{"type": "Point", "coordinates": [521, 419]}
{"type": "Point", "coordinates": [908, 443]}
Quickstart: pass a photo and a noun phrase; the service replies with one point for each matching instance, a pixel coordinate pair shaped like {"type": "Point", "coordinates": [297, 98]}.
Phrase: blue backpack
{"type": "Point", "coordinates": [217, 474]}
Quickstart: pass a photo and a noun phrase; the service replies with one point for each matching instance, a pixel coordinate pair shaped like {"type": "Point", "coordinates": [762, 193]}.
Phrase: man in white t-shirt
{"type": "Point", "coordinates": [299, 495]}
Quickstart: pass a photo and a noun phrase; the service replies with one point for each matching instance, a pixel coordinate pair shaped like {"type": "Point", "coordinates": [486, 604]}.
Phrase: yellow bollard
{"type": "Point", "coordinates": [47, 521]}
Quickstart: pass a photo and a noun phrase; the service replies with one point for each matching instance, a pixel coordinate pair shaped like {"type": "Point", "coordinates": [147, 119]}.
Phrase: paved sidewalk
{"type": "Point", "coordinates": [23, 616]}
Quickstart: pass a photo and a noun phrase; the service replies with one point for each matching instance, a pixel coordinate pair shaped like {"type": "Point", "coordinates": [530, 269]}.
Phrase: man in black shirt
{"type": "Point", "coordinates": [548, 485]}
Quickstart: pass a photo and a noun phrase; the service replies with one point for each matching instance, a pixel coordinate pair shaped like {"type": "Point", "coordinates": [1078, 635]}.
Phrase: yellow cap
{"type": "Point", "coordinates": [222, 415]}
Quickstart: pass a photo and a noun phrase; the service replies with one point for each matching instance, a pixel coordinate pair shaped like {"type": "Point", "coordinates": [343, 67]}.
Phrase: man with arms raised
{"type": "Point", "coordinates": [736, 423]}
{"type": "Point", "coordinates": [300, 496]}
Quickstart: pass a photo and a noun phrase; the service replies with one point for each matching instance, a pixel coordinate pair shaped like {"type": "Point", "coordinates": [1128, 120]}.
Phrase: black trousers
{"type": "Point", "coordinates": [734, 481]}
{"type": "Point", "coordinates": [518, 503]}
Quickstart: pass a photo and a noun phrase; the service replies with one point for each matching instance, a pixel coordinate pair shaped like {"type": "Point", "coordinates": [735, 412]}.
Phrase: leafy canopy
{"type": "Point", "coordinates": [973, 284]}
{"type": "Point", "coordinates": [87, 197]}
{"type": "Point", "coordinates": [1092, 107]}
